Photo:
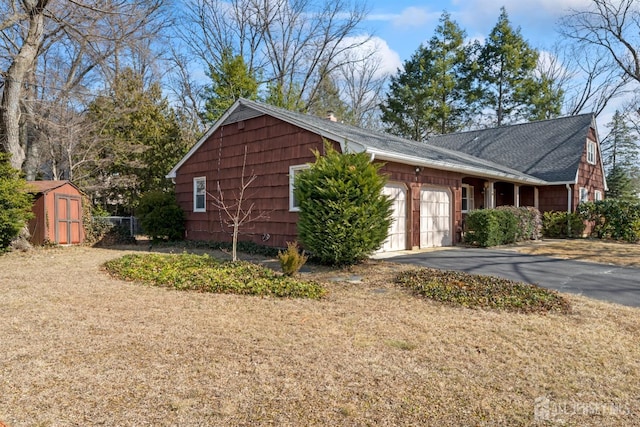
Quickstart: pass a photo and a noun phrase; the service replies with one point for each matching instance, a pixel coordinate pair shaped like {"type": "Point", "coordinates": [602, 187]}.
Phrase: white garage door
{"type": "Point", "coordinates": [397, 239]}
{"type": "Point", "coordinates": [435, 218]}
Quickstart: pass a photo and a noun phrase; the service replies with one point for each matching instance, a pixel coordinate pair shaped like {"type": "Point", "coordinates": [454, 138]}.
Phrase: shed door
{"type": "Point", "coordinates": [68, 219]}
{"type": "Point", "coordinates": [435, 218]}
{"type": "Point", "coordinates": [397, 238]}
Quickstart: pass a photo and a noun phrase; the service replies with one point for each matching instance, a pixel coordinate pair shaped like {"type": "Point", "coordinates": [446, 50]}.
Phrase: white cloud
{"type": "Point", "coordinates": [412, 17]}
{"type": "Point", "coordinates": [379, 49]}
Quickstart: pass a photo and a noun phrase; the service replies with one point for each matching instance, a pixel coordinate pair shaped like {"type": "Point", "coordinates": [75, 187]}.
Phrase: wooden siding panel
{"type": "Point", "coordinates": [272, 147]}
{"type": "Point", "coordinates": [589, 176]}
{"type": "Point", "coordinates": [552, 198]}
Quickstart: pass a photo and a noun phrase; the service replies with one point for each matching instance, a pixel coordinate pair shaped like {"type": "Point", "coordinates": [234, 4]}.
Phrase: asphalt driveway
{"type": "Point", "coordinates": [605, 282]}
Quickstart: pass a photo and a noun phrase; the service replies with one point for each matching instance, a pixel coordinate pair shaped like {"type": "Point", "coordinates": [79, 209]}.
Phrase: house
{"type": "Point", "coordinates": [552, 165]}
{"type": "Point", "coordinates": [57, 212]}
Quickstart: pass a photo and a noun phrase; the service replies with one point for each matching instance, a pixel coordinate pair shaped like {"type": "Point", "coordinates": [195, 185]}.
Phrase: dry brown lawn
{"type": "Point", "coordinates": [592, 250]}
{"type": "Point", "coordinates": [78, 348]}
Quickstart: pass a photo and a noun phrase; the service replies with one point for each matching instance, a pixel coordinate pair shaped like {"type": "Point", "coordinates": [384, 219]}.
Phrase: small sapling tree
{"type": "Point", "coordinates": [237, 212]}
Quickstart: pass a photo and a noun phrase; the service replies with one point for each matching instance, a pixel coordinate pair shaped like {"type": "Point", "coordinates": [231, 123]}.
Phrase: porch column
{"type": "Point", "coordinates": [516, 195]}
{"type": "Point", "coordinates": [535, 197]}
{"type": "Point", "coordinates": [489, 195]}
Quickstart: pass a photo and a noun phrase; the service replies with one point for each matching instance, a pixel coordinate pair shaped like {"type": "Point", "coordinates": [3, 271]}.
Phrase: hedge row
{"type": "Point", "coordinates": [613, 219]}
{"type": "Point", "coordinates": [502, 226]}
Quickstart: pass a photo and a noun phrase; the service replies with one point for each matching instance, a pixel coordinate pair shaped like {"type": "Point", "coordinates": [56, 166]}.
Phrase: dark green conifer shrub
{"type": "Point", "coordinates": [15, 203]}
{"type": "Point", "coordinates": [344, 217]}
{"type": "Point", "coordinates": [160, 216]}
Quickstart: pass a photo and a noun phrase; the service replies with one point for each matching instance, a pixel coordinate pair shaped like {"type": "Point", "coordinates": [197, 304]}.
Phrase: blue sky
{"type": "Point", "coordinates": [404, 24]}
{"type": "Point", "coordinates": [400, 26]}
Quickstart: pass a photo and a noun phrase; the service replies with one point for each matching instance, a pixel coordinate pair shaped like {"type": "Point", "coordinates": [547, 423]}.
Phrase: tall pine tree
{"type": "Point", "coordinates": [506, 86]}
{"type": "Point", "coordinates": [230, 80]}
{"type": "Point", "coordinates": [138, 141]}
{"type": "Point", "coordinates": [428, 96]}
{"type": "Point", "coordinates": [621, 154]}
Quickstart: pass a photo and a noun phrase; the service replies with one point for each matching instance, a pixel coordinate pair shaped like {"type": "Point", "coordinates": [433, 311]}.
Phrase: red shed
{"type": "Point", "coordinates": [58, 213]}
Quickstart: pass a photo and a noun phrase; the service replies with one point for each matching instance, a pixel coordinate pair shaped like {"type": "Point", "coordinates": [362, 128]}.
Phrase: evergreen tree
{"type": "Point", "coordinates": [621, 184]}
{"type": "Point", "coordinates": [621, 153]}
{"type": "Point", "coordinates": [428, 97]}
{"type": "Point", "coordinates": [232, 79]}
{"type": "Point", "coordinates": [344, 216]}
{"type": "Point", "coordinates": [139, 139]}
{"type": "Point", "coordinates": [619, 147]}
{"type": "Point", "coordinates": [285, 97]}
{"type": "Point", "coordinates": [505, 83]}
{"type": "Point", "coordinates": [327, 99]}
{"type": "Point", "coordinates": [15, 202]}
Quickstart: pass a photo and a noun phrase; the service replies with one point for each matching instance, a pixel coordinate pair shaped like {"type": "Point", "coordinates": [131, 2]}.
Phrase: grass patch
{"type": "Point", "coordinates": [205, 274]}
{"type": "Point", "coordinates": [476, 291]}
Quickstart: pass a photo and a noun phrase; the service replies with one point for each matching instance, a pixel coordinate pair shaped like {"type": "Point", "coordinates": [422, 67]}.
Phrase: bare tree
{"type": "Point", "coordinates": [30, 15]}
{"type": "Point", "coordinates": [292, 45]}
{"type": "Point", "coordinates": [608, 28]}
{"type": "Point", "coordinates": [362, 82]}
{"type": "Point", "coordinates": [235, 211]}
{"type": "Point", "coordinates": [588, 82]}
{"type": "Point", "coordinates": [51, 49]}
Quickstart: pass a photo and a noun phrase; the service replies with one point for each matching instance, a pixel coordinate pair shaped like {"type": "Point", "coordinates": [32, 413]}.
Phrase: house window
{"type": "Point", "coordinates": [293, 171]}
{"type": "Point", "coordinates": [591, 152]}
{"type": "Point", "coordinates": [597, 195]}
{"type": "Point", "coordinates": [584, 195]}
{"type": "Point", "coordinates": [467, 198]}
{"type": "Point", "coordinates": [199, 194]}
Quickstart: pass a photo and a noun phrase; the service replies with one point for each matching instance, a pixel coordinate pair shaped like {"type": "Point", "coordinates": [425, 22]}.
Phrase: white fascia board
{"type": "Point", "coordinates": [196, 146]}
{"type": "Point", "coordinates": [417, 161]}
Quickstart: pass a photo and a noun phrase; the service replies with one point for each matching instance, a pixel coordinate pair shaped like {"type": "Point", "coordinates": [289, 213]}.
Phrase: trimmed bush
{"type": "Point", "coordinates": [202, 273]}
{"type": "Point", "coordinates": [344, 217]}
{"type": "Point", "coordinates": [15, 203]}
{"type": "Point", "coordinates": [562, 225]}
{"type": "Point", "coordinates": [490, 227]}
{"type": "Point", "coordinates": [529, 222]}
{"type": "Point", "coordinates": [613, 219]}
{"type": "Point", "coordinates": [291, 260]}
{"type": "Point", "coordinates": [160, 216]}
{"type": "Point", "coordinates": [477, 291]}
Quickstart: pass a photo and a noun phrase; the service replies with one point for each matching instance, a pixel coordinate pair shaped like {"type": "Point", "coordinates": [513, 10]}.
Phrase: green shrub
{"type": "Point", "coordinates": [613, 219]}
{"type": "Point", "coordinates": [476, 291]}
{"type": "Point", "coordinates": [15, 203]}
{"type": "Point", "coordinates": [291, 260]}
{"type": "Point", "coordinates": [116, 235]}
{"type": "Point", "coordinates": [528, 222]}
{"type": "Point", "coordinates": [562, 225]}
{"type": "Point", "coordinates": [491, 227]}
{"type": "Point", "coordinates": [344, 217]}
{"type": "Point", "coordinates": [205, 274]}
{"type": "Point", "coordinates": [160, 216]}
{"type": "Point", "coordinates": [94, 222]}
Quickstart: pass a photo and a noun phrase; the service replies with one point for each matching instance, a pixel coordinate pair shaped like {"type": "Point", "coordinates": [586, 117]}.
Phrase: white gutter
{"type": "Point", "coordinates": [417, 161]}
{"type": "Point", "coordinates": [569, 197]}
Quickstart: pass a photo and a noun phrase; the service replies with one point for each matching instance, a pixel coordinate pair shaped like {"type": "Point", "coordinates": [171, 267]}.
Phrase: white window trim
{"type": "Point", "coordinates": [591, 152]}
{"type": "Point", "coordinates": [195, 189]}
{"type": "Point", "coordinates": [584, 195]}
{"type": "Point", "coordinates": [597, 195]}
{"type": "Point", "coordinates": [470, 198]}
{"type": "Point", "coordinates": [292, 171]}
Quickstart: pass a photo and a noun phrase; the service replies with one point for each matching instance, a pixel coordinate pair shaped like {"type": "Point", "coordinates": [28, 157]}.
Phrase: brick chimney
{"type": "Point", "coordinates": [331, 117]}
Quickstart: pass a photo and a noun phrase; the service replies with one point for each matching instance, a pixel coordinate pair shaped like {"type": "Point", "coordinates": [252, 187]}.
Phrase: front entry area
{"type": "Point", "coordinates": [435, 218]}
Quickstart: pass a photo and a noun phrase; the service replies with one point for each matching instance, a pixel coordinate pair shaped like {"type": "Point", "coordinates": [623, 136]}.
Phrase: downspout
{"type": "Point", "coordinates": [373, 157]}
{"type": "Point", "coordinates": [569, 200]}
